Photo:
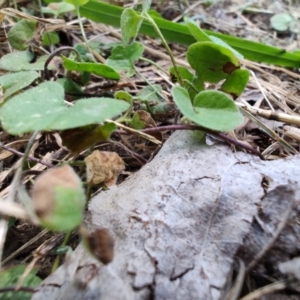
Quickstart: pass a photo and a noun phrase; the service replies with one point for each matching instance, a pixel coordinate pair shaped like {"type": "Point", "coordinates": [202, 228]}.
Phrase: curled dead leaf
{"type": "Point", "coordinates": [103, 167]}
{"type": "Point", "coordinates": [101, 245]}
{"type": "Point", "coordinates": [147, 119]}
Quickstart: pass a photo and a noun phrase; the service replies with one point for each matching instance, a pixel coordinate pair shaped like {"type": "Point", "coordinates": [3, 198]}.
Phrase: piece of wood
{"type": "Point", "coordinates": [178, 224]}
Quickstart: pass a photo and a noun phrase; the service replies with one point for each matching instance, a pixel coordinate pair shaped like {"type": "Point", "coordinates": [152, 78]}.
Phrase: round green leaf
{"type": "Point", "coordinates": [282, 21]}
{"type": "Point", "coordinates": [14, 82]}
{"type": "Point", "coordinates": [21, 33]}
{"type": "Point", "coordinates": [124, 56]}
{"type": "Point", "coordinates": [212, 109]}
{"type": "Point", "coordinates": [130, 25]}
{"type": "Point", "coordinates": [43, 108]}
{"type": "Point", "coordinates": [50, 38]}
{"type": "Point", "coordinates": [236, 82]}
{"type": "Point", "coordinates": [21, 61]}
{"type": "Point", "coordinates": [150, 93]}
{"type": "Point", "coordinates": [212, 62]}
{"type": "Point", "coordinates": [122, 95]}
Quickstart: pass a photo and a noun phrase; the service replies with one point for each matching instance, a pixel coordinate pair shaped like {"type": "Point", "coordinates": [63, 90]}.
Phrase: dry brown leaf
{"type": "Point", "coordinates": [99, 243]}
{"type": "Point", "coordinates": [103, 167]}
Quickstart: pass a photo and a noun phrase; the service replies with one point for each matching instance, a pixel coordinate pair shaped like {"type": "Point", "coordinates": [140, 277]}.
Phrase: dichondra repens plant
{"type": "Point", "coordinates": [31, 102]}
{"type": "Point", "coordinates": [41, 105]}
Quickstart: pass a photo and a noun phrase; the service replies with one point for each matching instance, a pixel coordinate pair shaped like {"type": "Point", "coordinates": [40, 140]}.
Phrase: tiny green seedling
{"type": "Point", "coordinates": [213, 61]}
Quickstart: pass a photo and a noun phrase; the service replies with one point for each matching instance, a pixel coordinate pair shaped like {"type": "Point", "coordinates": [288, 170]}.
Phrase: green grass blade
{"type": "Point", "coordinates": [179, 33]}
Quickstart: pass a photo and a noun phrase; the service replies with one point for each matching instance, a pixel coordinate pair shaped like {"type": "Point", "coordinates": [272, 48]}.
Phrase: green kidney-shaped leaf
{"type": "Point", "coordinates": [130, 25]}
{"type": "Point", "coordinates": [21, 33]}
{"type": "Point", "coordinates": [50, 38]}
{"type": "Point", "coordinates": [212, 109]}
{"type": "Point", "coordinates": [21, 61]}
{"type": "Point", "coordinates": [150, 93]}
{"type": "Point", "coordinates": [14, 82]}
{"type": "Point", "coordinates": [123, 57]}
{"type": "Point", "coordinates": [281, 21]}
{"type": "Point", "coordinates": [43, 108]}
{"type": "Point", "coordinates": [122, 95]}
{"type": "Point", "coordinates": [191, 83]}
{"type": "Point", "coordinates": [212, 62]}
{"type": "Point", "coordinates": [236, 82]}
{"type": "Point", "coordinates": [91, 67]}
{"type": "Point", "coordinates": [10, 276]}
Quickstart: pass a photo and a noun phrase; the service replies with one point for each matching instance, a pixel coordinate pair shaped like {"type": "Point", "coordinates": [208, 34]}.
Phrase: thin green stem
{"type": "Point", "coordinates": [81, 25]}
{"type": "Point", "coordinates": [156, 28]}
{"type": "Point", "coordinates": [88, 193]}
{"type": "Point", "coordinates": [57, 259]}
{"type": "Point", "coordinates": [154, 64]}
{"type": "Point", "coordinates": [149, 83]}
{"type": "Point", "coordinates": [191, 85]}
{"type": "Point", "coordinates": [42, 15]}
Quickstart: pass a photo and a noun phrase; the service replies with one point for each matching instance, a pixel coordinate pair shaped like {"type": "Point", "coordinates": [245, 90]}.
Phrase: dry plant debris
{"type": "Point", "coordinates": [103, 167]}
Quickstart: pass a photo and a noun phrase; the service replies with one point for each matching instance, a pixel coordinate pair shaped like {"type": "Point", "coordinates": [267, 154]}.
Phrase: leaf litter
{"type": "Point", "coordinates": [280, 86]}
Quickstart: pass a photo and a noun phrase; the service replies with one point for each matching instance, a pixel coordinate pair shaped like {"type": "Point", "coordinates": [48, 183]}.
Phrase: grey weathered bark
{"type": "Point", "coordinates": [178, 224]}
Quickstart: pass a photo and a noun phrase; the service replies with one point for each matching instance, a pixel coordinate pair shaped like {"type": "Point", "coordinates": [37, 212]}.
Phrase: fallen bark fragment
{"type": "Point", "coordinates": [178, 224]}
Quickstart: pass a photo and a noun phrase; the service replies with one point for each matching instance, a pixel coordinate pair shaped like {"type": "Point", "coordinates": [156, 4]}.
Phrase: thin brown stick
{"type": "Point", "coordinates": [219, 135]}
{"type": "Point", "coordinates": [32, 158]}
{"type": "Point", "coordinates": [236, 289]}
{"type": "Point", "coordinates": [21, 288]}
{"type": "Point", "coordinates": [270, 288]}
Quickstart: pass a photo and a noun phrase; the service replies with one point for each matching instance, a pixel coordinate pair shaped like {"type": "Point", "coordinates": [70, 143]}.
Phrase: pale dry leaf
{"type": "Point", "coordinates": [13, 209]}
{"type": "Point", "coordinates": [146, 118]}
{"type": "Point", "coordinates": [103, 167]}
